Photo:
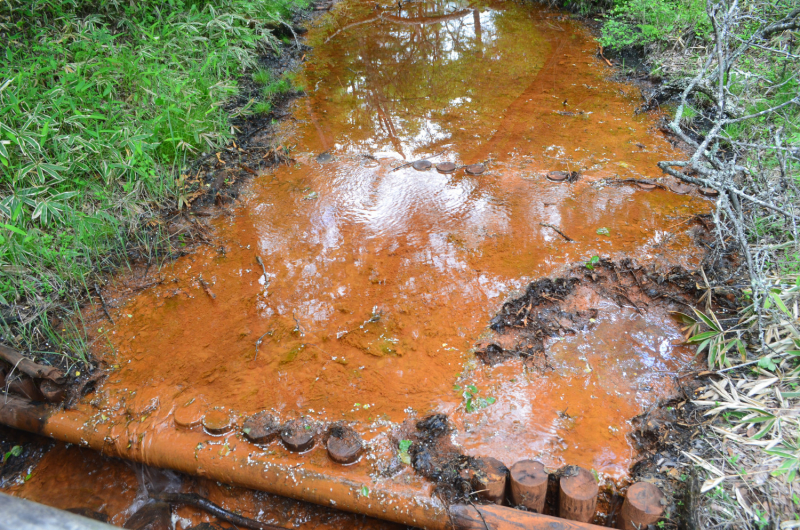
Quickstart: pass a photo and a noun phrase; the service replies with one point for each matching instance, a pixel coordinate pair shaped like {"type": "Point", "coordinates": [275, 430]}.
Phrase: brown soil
{"type": "Point", "coordinates": [562, 306]}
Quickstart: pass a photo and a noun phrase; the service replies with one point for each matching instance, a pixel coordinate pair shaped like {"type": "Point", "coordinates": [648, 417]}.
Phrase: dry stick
{"type": "Point", "coordinates": [8, 379]}
{"type": "Point", "coordinates": [604, 57]}
{"type": "Point", "coordinates": [207, 289]}
{"type": "Point", "coordinates": [192, 499]}
{"type": "Point", "coordinates": [666, 167]}
{"type": "Point", "coordinates": [477, 510]}
{"type": "Point", "coordinates": [562, 234]}
{"type": "Point", "coordinates": [28, 367]}
{"type": "Point", "coordinates": [103, 303]}
{"type": "Point", "coordinates": [264, 270]}
{"type": "Point", "coordinates": [258, 343]}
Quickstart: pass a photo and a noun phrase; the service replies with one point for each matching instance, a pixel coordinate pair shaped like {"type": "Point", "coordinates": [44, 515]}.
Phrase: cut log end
{"type": "Point", "coordinates": [446, 167]}
{"type": "Point", "coordinates": [298, 436]}
{"type": "Point", "coordinates": [643, 506]}
{"type": "Point", "coordinates": [217, 421]}
{"type": "Point", "coordinates": [52, 392]}
{"type": "Point", "coordinates": [578, 496]}
{"type": "Point", "coordinates": [189, 415]}
{"type": "Point", "coordinates": [475, 169]}
{"type": "Point", "coordinates": [262, 428]}
{"type": "Point", "coordinates": [344, 444]}
{"type": "Point", "coordinates": [528, 480]}
{"type": "Point", "coordinates": [489, 479]}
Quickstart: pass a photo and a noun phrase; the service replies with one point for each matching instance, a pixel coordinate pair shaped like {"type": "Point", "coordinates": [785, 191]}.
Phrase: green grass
{"type": "Point", "coordinates": [262, 77]}
{"type": "Point", "coordinates": [262, 107]}
{"type": "Point", "coordinates": [638, 22]}
{"type": "Point", "coordinates": [102, 103]}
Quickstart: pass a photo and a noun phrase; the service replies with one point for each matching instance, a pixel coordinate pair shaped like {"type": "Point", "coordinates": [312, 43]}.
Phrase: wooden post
{"type": "Point", "coordinates": [644, 505]}
{"type": "Point", "coordinates": [297, 436]}
{"type": "Point", "coordinates": [578, 494]}
{"type": "Point", "coordinates": [490, 479]}
{"type": "Point", "coordinates": [528, 485]}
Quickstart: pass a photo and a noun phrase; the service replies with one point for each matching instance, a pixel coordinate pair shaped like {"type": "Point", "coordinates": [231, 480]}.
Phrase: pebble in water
{"type": "Point", "coordinates": [153, 516]}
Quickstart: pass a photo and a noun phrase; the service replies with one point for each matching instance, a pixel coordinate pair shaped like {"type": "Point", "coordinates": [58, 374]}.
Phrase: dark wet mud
{"type": "Point", "coordinates": [353, 285]}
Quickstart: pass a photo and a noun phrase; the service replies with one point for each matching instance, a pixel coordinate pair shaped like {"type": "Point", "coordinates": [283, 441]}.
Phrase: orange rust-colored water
{"type": "Point", "coordinates": [379, 280]}
{"type": "Point", "coordinates": [69, 477]}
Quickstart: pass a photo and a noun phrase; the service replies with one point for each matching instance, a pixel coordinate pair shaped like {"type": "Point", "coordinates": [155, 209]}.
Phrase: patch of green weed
{"type": "Point", "coordinates": [101, 104]}
{"type": "Point", "coordinates": [638, 22]}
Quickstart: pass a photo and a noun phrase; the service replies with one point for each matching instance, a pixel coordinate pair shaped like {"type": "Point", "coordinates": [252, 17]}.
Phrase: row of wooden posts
{"type": "Point", "coordinates": [525, 484]}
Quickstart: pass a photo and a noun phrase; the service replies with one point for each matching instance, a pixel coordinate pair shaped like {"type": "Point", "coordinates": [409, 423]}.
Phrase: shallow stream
{"type": "Point", "coordinates": [379, 279]}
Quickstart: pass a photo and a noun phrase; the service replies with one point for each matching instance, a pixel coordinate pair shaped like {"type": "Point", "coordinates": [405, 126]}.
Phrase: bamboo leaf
{"type": "Point", "coordinates": [708, 322]}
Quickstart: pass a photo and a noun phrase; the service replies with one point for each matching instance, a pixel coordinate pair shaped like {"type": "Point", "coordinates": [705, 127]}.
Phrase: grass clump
{"type": "Point", "coordinates": [101, 104]}
{"type": "Point", "coordinates": [639, 22]}
{"type": "Point", "coordinates": [262, 108]}
{"type": "Point", "coordinates": [262, 77]}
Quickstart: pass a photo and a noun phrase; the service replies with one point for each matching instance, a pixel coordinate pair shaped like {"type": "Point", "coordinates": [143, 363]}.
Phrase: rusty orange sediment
{"type": "Point", "coordinates": [233, 461]}
{"type": "Point", "coordinates": [376, 283]}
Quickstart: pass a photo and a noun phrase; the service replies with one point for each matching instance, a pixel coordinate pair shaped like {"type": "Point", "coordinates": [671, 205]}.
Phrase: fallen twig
{"type": "Point", "coordinates": [192, 499]}
{"type": "Point", "coordinates": [604, 57]}
{"type": "Point", "coordinates": [207, 289]}
{"type": "Point", "coordinates": [103, 303]}
{"type": "Point", "coordinates": [562, 234]}
{"type": "Point", "coordinates": [263, 269]}
{"type": "Point", "coordinates": [258, 343]}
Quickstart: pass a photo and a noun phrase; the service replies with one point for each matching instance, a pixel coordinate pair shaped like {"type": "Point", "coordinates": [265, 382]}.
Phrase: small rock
{"type": "Point", "coordinates": [422, 165]}
{"type": "Point", "coordinates": [190, 414]}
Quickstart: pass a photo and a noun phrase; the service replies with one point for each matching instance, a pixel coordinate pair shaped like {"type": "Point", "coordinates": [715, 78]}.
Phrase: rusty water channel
{"type": "Point", "coordinates": [377, 281]}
